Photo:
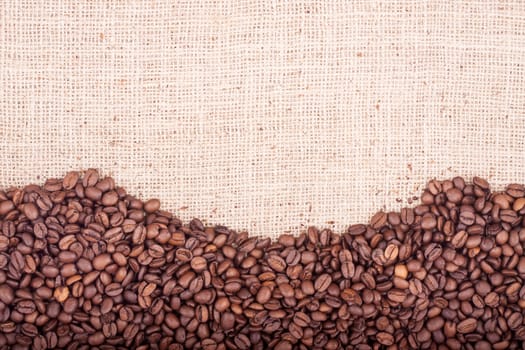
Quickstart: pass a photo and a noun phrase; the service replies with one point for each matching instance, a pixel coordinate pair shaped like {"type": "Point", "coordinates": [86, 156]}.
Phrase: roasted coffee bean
{"type": "Point", "coordinates": [198, 264]}
{"type": "Point", "coordinates": [467, 326]}
{"type": "Point", "coordinates": [100, 262]}
{"type": "Point", "coordinates": [276, 263]}
{"type": "Point", "coordinates": [31, 211]}
{"type": "Point", "coordinates": [263, 295]}
{"type": "Point", "coordinates": [152, 206]}
{"type": "Point", "coordinates": [347, 265]}
{"type": "Point", "coordinates": [301, 319]}
{"type": "Point", "coordinates": [384, 338]}
{"type": "Point", "coordinates": [322, 282]}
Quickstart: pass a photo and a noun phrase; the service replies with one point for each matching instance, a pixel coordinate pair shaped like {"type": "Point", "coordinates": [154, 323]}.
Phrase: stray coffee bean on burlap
{"type": "Point", "coordinates": [84, 265]}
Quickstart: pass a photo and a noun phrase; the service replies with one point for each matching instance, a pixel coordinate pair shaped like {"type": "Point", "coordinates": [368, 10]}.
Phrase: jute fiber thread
{"type": "Point", "coordinates": [267, 116]}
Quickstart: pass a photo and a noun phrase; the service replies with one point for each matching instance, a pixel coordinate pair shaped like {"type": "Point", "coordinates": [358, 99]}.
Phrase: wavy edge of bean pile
{"type": "Point", "coordinates": [84, 265]}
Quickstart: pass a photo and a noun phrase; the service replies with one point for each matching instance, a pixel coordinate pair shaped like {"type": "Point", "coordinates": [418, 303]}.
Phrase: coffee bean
{"type": "Point", "coordinates": [110, 198]}
{"type": "Point", "coordinates": [227, 321]}
{"type": "Point", "coordinates": [276, 263]}
{"type": "Point", "coordinates": [113, 289]}
{"type": "Point", "coordinates": [301, 319]}
{"type": "Point", "coordinates": [433, 252]}
{"type": "Point", "coordinates": [131, 330]}
{"type": "Point", "coordinates": [401, 271]}
{"type": "Point", "coordinates": [50, 271]}
{"type": "Point", "coordinates": [396, 295]}
{"type": "Point", "coordinates": [242, 342]}
{"type": "Point", "coordinates": [435, 323]}
{"type": "Point", "coordinates": [70, 180]}
{"type": "Point", "coordinates": [100, 262]}
{"type": "Point", "coordinates": [31, 211]}
{"type": "Point", "coordinates": [467, 325]}
{"type": "Point", "coordinates": [347, 265]}
{"type": "Point", "coordinates": [378, 220]}
{"type": "Point", "coordinates": [25, 307]}
{"type": "Point", "coordinates": [222, 304]}
{"type": "Point", "coordinates": [61, 293]}
{"type": "Point", "coordinates": [263, 295]}
{"type": "Point", "coordinates": [6, 206]}
{"type": "Point", "coordinates": [7, 294]}
{"type": "Point", "coordinates": [508, 215]}
{"type": "Point", "coordinates": [515, 320]}
{"type": "Point", "coordinates": [356, 230]}
{"type": "Point", "coordinates": [204, 297]}
{"type": "Point", "coordinates": [482, 183]}
{"type": "Point", "coordinates": [152, 206]}
{"type": "Point", "coordinates": [93, 193]}
{"type": "Point", "coordinates": [385, 338]}
{"type": "Point", "coordinates": [459, 239]}
{"type": "Point", "coordinates": [198, 264]}
{"type": "Point", "coordinates": [428, 222]}
{"type": "Point", "coordinates": [391, 253]}
{"type": "Point", "coordinates": [322, 282]}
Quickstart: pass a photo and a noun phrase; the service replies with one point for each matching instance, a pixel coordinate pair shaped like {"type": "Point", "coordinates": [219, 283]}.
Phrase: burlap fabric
{"type": "Point", "coordinates": [267, 116]}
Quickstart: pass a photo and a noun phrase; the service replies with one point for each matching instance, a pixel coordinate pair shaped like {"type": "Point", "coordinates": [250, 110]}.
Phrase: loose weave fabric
{"type": "Point", "coordinates": [266, 116]}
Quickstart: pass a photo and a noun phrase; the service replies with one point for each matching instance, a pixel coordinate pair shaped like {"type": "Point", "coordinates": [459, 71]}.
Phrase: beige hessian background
{"type": "Point", "coordinates": [264, 115]}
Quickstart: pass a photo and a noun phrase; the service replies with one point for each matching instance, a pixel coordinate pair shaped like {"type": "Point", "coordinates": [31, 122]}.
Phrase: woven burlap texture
{"type": "Point", "coordinates": [266, 116]}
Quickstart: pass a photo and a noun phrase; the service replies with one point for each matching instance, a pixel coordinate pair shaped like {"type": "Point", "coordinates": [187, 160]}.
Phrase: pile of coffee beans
{"type": "Point", "coordinates": [84, 265]}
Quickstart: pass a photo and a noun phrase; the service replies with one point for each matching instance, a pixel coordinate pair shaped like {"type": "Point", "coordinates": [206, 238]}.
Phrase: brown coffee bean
{"type": "Point", "coordinates": [40, 230]}
{"type": "Point", "coordinates": [454, 195]}
{"type": "Point", "coordinates": [301, 319]}
{"type": "Point", "coordinates": [263, 295]}
{"type": "Point", "coordinates": [205, 296]}
{"type": "Point", "coordinates": [198, 264]}
{"type": "Point", "coordinates": [50, 271]}
{"type": "Point", "coordinates": [276, 263]}
{"type": "Point", "coordinates": [7, 294]}
{"type": "Point", "coordinates": [6, 206]}
{"type": "Point", "coordinates": [25, 307]}
{"type": "Point", "coordinates": [515, 320]}
{"type": "Point", "coordinates": [407, 216]}
{"type": "Point", "coordinates": [322, 282]}
{"type": "Point", "coordinates": [110, 198]}
{"type": "Point", "coordinates": [227, 321]}
{"type": "Point", "coordinates": [70, 180]}
{"type": "Point", "coordinates": [113, 289]}
{"type": "Point", "coordinates": [286, 290]}
{"type": "Point", "coordinates": [396, 295]}
{"type": "Point", "coordinates": [385, 338]}
{"type": "Point", "coordinates": [401, 271]}
{"type": "Point", "coordinates": [222, 304]}
{"type": "Point", "coordinates": [93, 193]}
{"type": "Point", "coordinates": [467, 217]}
{"type": "Point", "coordinates": [482, 183]}
{"type": "Point", "coordinates": [378, 220]}
{"type": "Point", "coordinates": [368, 280]}
{"type": "Point", "coordinates": [356, 230]}
{"type": "Point", "coordinates": [435, 323]}
{"type": "Point", "coordinates": [131, 330]}
{"type": "Point", "coordinates": [467, 325]}
{"type": "Point", "coordinates": [152, 205]}
{"type": "Point", "coordinates": [31, 211]}
{"type": "Point", "coordinates": [433, 251]}
{"type": "Point", "coordinates": [428, 222]}
{"type": "Point", "coordinates": [61, 293]}
{"type": "Point", "coordinates": [100, 262]}
{"type": "Point", "coordinates": [242, 342]}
